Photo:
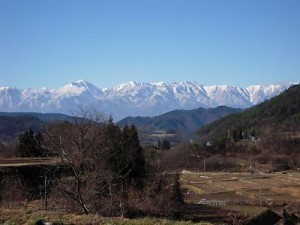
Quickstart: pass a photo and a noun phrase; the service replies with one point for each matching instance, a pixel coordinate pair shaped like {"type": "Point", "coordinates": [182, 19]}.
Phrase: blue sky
{"type": "Point", "coordinates": [52, 42]}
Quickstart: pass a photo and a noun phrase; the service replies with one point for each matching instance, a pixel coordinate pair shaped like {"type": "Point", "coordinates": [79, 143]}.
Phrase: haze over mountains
{"type": "Point", "coordinates": [133, 99]}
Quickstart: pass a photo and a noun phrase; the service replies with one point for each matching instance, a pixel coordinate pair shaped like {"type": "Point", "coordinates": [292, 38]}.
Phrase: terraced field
{"type": "Point", "coordinates": [270, 190]}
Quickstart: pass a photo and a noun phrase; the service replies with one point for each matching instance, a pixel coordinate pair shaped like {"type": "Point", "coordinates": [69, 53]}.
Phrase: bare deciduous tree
{"type": "Point", "coordinates": [79, 147]}
{"type": "Point", "coordinates": [101, 162]}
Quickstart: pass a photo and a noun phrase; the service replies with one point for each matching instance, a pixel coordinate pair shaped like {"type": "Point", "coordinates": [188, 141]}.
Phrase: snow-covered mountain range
{"type": "Point", "coordinates": [133, 99]}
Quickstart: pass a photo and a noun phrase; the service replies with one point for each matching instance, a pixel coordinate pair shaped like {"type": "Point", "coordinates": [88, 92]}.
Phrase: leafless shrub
{"type": "Point", "coordinates": [8, 150]}
{"type": "Point", "coordinates": [13, 193]}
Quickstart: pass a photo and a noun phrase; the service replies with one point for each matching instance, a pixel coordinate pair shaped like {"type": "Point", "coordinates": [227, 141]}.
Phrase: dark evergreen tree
{"type": "Point", "coordinates": [176, 194]}
{"type": "Point", "coordinates": [158, 143]}
{"type": "Point", "coordinates": [133, 155]}
{"type": "Point", "coordinates": [164, 144]}
{"type": "Point", "coordinates": [237, 135]}
{"type": "Point", "coordinates": [31, 145]}
{"type": "Point", "coordinates": [113, 153]}
{"type": "Point", "coordinates": [124, 156]}
{"type": "Point", "coordinates": [253, 132]}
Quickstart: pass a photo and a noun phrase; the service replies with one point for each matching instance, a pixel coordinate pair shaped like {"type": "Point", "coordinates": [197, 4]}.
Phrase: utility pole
{"type": "Point", "coordinates": [204, 165]}
{"type": "Point", "coordinates": [260, 200]}
{"type": "Point", "coordinates": [250, 164]}
{"type": "Point", "coordinates": [46, 200]}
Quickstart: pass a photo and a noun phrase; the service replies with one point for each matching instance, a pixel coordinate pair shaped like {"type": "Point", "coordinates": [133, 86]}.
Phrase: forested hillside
{"type": "Point", "coordinates": [264, 138]}
{"type": "Point", "coordinates": [12, 124]}
{"type": "Point", "coordinates": [180, 120]}
{"type": "Point", "coordinates": [176, 125]}
{"type": "Point", "coordinates": [281, 112]}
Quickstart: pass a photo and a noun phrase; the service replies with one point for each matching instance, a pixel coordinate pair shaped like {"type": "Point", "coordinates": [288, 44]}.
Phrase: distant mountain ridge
{"type": "Point", "coordinates": [133, 99]}
{"type": "Point", "coordinates": [13, 124]}
{"type": "Point", "coordinates": [179, 120]}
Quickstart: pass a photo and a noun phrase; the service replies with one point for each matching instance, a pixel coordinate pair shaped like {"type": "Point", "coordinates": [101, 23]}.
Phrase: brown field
{"type": "Point", "coordinates": [17, 162]}
{"type": "Point", "coordinates": [242, 190]}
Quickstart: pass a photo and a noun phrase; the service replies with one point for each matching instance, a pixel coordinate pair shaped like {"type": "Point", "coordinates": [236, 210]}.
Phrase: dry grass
{"type": "Point", "coordinates": [19, 162]}
{"type": "Point", "coordinates": [28, 217]}
{"type": "Point", "coordinates": [246, 210]}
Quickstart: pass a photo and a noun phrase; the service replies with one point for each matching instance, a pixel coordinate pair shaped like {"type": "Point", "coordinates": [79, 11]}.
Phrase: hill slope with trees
{"type": "Point", "coordinates": [265, 138]}
{"type": "Point", "coordinates": [281, 112]}
{"type": "Point", "coordinates": [180, 120]}
{"type": "Point", "coordinates": [13, 124]}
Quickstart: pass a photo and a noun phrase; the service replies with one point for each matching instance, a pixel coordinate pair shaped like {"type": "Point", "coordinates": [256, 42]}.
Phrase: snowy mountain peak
{"type": "Point", "coordinates": [134, 99]}
{"type": "Point", "coordinates": [157, 83]}
{"type": "Point", "coordinates": [80, 83]}
{"type": "Point", "coordinates": [8, 89]}
{"type": "Point", "coordinates": [126, 86]}
{"type": "Point", "coordinates": [80, 87]}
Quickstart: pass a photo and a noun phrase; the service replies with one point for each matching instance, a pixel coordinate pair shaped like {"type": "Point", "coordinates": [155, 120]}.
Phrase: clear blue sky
{"type": "Point", "coordinates": [53, 42]}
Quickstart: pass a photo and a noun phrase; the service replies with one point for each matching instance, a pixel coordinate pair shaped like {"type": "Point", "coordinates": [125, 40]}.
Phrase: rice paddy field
{"type": "Point", "coordinates": [274, 191]}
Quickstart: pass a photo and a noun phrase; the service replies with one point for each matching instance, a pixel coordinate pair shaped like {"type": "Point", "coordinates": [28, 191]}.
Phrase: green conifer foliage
{"type": "Point", "coordinates": [30, 145]}
{"type": "Point", "coordinates": [125, 156]}
{"type": "Point", "coordinates": [137, 172]}
{"type": "Point", "coordinates": [176, 195]}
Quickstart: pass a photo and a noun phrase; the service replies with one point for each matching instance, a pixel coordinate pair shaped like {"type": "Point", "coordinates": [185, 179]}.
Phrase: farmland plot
{"type": "Point", "coordinates": [244, 189]}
